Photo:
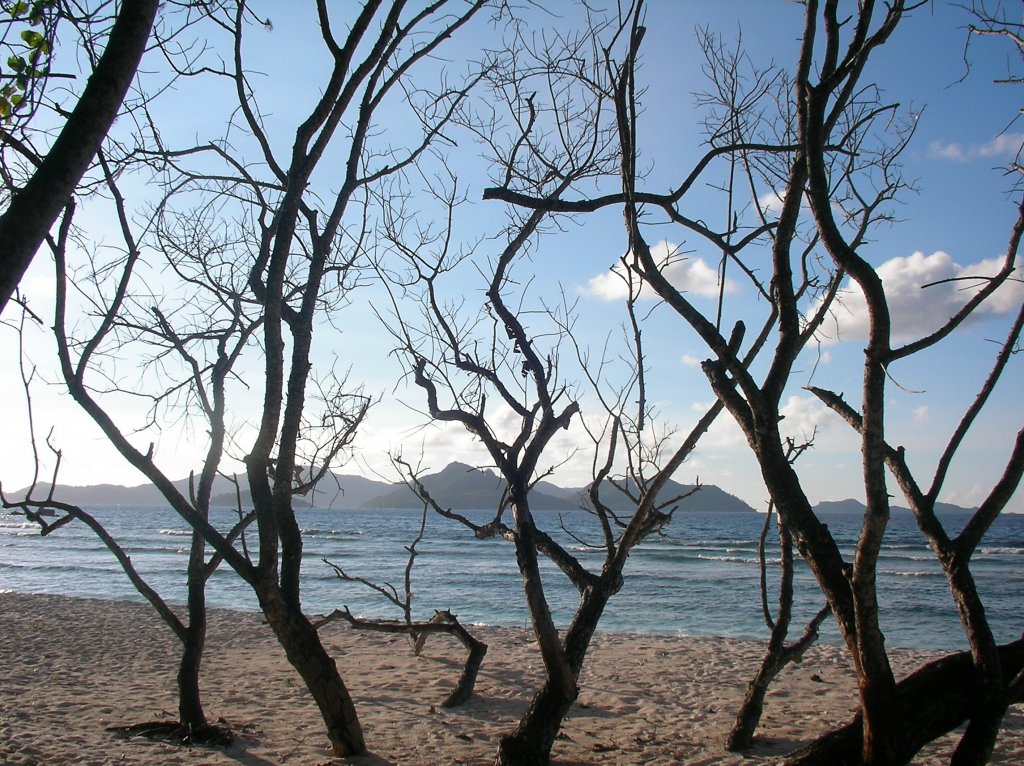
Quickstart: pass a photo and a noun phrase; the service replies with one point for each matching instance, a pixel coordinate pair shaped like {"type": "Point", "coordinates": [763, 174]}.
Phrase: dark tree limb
{"type": "Point", "coordinates": [34, 208]}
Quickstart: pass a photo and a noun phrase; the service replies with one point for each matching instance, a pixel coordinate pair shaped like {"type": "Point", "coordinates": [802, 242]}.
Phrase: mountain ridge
{"type": "Point", "coordinates": [457, 486]}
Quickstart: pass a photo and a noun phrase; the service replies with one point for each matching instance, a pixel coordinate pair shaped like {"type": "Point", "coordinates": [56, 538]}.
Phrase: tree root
{"type": "Point", "coordinates": [174, 733]}
{"type": "Point", "coordinates": [932, 701]}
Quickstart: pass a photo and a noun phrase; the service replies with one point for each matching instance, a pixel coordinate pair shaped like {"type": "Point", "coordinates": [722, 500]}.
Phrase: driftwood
{"type": "Point", "coordinates": [442, 622]}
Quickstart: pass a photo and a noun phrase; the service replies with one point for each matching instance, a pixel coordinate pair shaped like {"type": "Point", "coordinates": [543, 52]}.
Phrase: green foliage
{"type": "Point", "coordinates": [28, 51]}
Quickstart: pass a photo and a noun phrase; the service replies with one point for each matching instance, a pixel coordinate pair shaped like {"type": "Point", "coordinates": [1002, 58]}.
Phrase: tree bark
{"type": "Point", "coordinates": [35, 207]}
{"type": "Point", "coordinates": [307, 655]}
{"type": "Point", "coordinates": [191, 715]}
{"type": "Point", "coordinates": [193, 641]}
{"type": "Point", "coordinates": [749, 716]}
{"type": "Point", "coordinates": [531, 743]}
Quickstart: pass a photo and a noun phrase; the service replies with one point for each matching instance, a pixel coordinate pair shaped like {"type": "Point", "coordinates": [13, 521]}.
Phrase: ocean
{"type": "Point", "coordinates": [700, 578]}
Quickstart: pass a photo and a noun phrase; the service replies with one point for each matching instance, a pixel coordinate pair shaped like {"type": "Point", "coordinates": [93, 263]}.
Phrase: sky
{"type": "Point", "coordinates": [954, 223]}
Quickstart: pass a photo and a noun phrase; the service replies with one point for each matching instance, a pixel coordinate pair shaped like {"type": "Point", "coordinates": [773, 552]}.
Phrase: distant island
{"type": "Point", "coordinates": [856, 507]}
{"type": "Point", "coordinates": [458, 486]}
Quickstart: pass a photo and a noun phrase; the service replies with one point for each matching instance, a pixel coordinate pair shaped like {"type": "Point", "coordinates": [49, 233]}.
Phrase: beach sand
{"type": "Point", "coordinates": [69, 668]}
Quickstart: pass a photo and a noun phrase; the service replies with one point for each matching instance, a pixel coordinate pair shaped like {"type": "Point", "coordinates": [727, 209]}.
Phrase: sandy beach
{"type": "Point", "coordinates": [70, 668]}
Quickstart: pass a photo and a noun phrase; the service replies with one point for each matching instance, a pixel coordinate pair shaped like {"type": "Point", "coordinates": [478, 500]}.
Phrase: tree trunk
{"type": "Point", "coordinates": [190, 706]}
{"type": "Point", "coordinates": [531, 743]}
{"type": "Point", "coordinates": [936, 699]}
{"type": "Point", "coordinates": [33, 209]}
{"type": "Point", "coordinates": [306, 653]}
{"type": "Point", "coordinates": [742, 735]}
{"type": "Point", "coordinates": [976, 744]}
{"type": "Point", "coordinates": [193, 641]}
{"type": "Point", "coordinates": [778, 655]}
{"type": "Point", "coordinates": [880, 717]}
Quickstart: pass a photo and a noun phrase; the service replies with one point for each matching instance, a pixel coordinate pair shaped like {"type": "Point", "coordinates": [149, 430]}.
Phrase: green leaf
{"type": "Point", "coordinates": [16, 63]}
{"type": "Point", "coordinates": [32, 38]}
{"type": "Point", "coordinates": [5, 107]}
{"type": "Point", "coordinates": [17, 9]}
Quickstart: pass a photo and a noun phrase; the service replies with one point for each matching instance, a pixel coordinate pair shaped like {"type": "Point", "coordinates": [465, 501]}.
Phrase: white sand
{"type": "Point", "coordinates": [71, 667]}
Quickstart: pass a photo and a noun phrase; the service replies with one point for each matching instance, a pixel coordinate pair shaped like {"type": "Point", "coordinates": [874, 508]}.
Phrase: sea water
{"type": "Point", "coordinates": [699, 578]}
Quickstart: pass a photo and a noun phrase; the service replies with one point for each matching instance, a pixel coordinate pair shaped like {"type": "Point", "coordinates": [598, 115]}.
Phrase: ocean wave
{"type": "Point", "coordinates": [585, 548]}
{"type": "Point", "coordinates": [682, 542]}
{"type": "Point", "coordinates": [894, 573]}
{"type": "Point", "coordinates": [313, 531]}
{"type": "Point", "coordinates": [728, 559]}
{"type": "Point", "coordinates": [701, 581]}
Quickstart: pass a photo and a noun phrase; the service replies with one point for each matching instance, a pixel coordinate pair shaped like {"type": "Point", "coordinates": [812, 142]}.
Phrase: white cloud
{"type": "Point", "coordinates": [724, 433]}
{"type": "Point", "coordinates": [1003, 145]}
{"type": "Point", "coordinates": [945, 151]}
{"type": "Point", "coordinates": [921, 413]}
{"type": "Point", "coordinates": [804, 417]}
{"type": "Point", "coordinates": [690, 361]}
{"type": "Point", "coordinates": [689, 274]}
{"type": "Point", "coordinates": [770, 202]}
{"type": "Point", "coordinates": [917, 310]}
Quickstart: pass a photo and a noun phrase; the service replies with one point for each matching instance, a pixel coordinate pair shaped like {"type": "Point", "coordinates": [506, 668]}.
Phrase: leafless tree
{"type": "Point", "coordinates": [40, 505]}
{"type": "Point", "coordinates": [475, 364]}
{"type": "Point", "coordinates": [253, 252]}
{"type": "Point", "coordinates": [417, 631]}
{"type": "Point", "coordinates": [832, 144]}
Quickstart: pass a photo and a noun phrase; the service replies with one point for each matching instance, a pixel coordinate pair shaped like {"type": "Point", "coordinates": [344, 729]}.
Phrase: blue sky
{"type": "Point", "coordinates": [957, 222]}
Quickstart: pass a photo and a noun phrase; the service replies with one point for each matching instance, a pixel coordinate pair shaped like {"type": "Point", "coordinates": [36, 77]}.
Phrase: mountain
{"type": "Point", "coordinates": [707, 499]}
{"type": "Point", "coordinates": [142, 495]}
{"type": "Point", "coordinates": [464, 487]}
{"type": "Point", "coordinates": [856, 507]}
{"type": "Point", "coordinates": [458, 486]}
{"type": "Point", "coordinates": [347, 491]}
{"type": "Point", "coordinates": [335, 491]}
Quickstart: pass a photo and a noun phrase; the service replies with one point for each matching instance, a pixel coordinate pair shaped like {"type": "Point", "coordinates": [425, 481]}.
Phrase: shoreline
{"type": "Point", "coordinates": [72, 667]}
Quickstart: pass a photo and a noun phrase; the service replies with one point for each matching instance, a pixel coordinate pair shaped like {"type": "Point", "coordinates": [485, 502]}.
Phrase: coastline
{"type": "Point", "coordinates": [72, 667]}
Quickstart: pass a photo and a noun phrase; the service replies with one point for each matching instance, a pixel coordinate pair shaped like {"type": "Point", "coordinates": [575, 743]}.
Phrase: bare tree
{"type": "Point", "coordinates": [192, 726]}
{"type": "Point", "coordinates": [40, 505]}
{"type": "Point", "coordinates": [476, 366]}
{"type": "Point", "coordinates": [33, 206]}
{"type": "Point", "coordinates": [829, 142]}
{"type": "Point", "coordinates": [255, 251]}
